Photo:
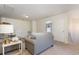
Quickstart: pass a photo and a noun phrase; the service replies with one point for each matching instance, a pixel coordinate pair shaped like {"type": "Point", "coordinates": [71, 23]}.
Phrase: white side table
{"type": "Point", "coordinates": [12, 43]}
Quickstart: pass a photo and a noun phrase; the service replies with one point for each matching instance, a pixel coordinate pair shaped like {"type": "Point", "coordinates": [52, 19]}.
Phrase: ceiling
{"type": "Point", "coordinates": [34, 11]}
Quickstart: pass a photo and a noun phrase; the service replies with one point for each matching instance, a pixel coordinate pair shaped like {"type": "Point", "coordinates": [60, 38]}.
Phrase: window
{"type": "Point", "coordinates": [48, 26]}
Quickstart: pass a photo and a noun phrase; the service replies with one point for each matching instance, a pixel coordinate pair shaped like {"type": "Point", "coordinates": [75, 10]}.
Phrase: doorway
{"type": "Point", "coordinates": [49, 26]}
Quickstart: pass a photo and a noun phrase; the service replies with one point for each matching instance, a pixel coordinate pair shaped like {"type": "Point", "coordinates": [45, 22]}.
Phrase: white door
{"type": "Point", "coordinates": [74, 30]}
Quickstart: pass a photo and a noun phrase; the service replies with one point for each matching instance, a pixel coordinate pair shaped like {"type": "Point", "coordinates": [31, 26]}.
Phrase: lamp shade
{"type": "Point", "coordinates": [6, 28]}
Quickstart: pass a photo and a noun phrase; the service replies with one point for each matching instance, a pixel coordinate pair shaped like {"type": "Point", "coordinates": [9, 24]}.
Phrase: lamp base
{"type": "Point", "coordinates": [6, 41]}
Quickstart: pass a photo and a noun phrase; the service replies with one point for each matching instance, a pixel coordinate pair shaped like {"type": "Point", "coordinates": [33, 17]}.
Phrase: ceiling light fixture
{"type": "Point", "coordinates": [27, 16]}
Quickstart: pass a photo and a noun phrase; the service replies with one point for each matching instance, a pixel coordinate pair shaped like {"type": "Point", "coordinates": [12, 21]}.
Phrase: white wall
{"type": "Point", "coordinates": [65, 26]}
{"type": "Point", "coordinates": [20, 26]}
{"type": "Point", "coordinates": [59, 26]}
{"type": "Point", "coordinates": [34, 26]}
{"type": "Point", "coordinates": [74, 25]}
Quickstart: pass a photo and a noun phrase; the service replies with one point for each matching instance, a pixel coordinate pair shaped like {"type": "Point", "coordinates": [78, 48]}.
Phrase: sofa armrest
{"type": "Point", "coordinates": [29, 45]}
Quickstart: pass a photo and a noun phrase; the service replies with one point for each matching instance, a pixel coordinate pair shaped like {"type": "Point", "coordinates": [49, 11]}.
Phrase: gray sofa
{"type": "Point", "coordinates": [40, 43]}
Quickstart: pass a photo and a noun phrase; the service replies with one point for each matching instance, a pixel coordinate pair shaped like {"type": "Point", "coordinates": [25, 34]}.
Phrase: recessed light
{"type": "Point", "coordinates": [26, 16]}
